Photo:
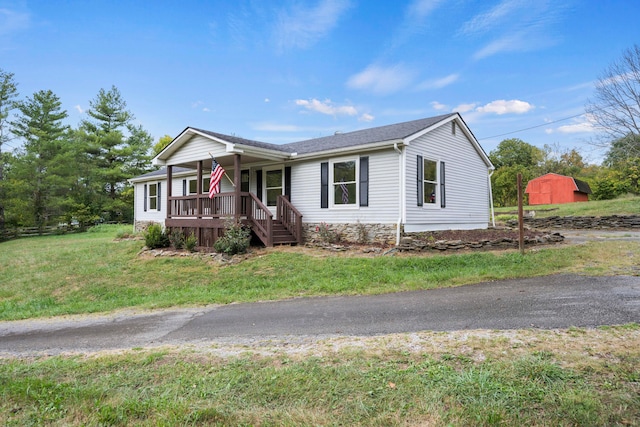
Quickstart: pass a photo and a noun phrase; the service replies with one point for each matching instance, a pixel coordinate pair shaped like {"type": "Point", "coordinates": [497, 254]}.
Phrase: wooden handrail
{"type": "Point", "coordinates": [260, 218]}
{"type": "Point", "coordinates": [290, 217]}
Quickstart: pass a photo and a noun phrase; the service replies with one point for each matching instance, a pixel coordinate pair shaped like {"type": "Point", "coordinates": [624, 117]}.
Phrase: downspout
{"type": "Point", "coordinates": [493, 217]}
{"type": "Point", "coordinates": [400, 192]}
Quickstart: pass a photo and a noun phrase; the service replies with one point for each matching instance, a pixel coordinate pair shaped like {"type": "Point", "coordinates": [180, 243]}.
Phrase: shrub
{"type": "Point", "coordinates": [326, 234]}
{"type": "Point", "coordinates": [236, 239]}
{"type": "Point", "coordinates": [155, 237]}
{"type": "Point", "coordinates": [191, 242]}
{"type": "Point", "coordinates": [362, 233]}
{"type": "Point", "coordinates": [176, 238]}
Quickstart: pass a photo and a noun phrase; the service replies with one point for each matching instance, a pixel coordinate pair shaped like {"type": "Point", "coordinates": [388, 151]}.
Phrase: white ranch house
{"type": "Point", "coordinates": [422, 175]}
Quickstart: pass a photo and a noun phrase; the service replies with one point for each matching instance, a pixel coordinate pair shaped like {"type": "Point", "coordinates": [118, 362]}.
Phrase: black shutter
{"type": "Point", "coordinates": [364, 181]}
{"type": "Point", "coordinates": [158, 202]}
{"type": "Point", "coordinates": [184, 187]}
{"type": "Point", "coordinates": [324, 185]}
{"type": "Point", "coordinates": [287, 182]}
{"type": "Point", "coordinates": [145, 197]}
{"type": "Point", "coordinates": [259, 184]}
{"type": "Point", "coordinates": [443, 198]}
{"type": "Point", "coordinates": [420, 179]}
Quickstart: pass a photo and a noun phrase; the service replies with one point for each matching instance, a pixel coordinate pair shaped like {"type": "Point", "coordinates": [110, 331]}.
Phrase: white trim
{"type": "Point", "coordinates": [265, 171]}
{"type": "Point", "coordinates": [332, 183]}
{"type": "Point", "coordinates": [437, 204]}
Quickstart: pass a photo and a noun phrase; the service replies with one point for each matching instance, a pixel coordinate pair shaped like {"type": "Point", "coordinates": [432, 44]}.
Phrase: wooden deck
{"type": "Point", "coordinates": [206, 218]}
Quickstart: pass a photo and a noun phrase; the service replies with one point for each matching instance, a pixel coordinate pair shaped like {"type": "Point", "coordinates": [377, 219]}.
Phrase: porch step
{"type": "Point", "coordinates": [282, 236]}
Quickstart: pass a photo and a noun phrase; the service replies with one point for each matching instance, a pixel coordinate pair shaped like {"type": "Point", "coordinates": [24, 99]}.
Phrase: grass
{"type": "Point", "coordinates": [537, 378]}
{"type": "Point", "coordinates": [629, 205]}
{"type": "Point", "coordinates": [93, 272]}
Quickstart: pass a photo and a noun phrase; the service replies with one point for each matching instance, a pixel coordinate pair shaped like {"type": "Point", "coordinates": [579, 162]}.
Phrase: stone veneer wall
{"type": "Point", "coordinates": [141, 226]}
{"type": "Point", "coordinates": [580, 222]}
{"type": "Point", "coordinates": [353, 232]}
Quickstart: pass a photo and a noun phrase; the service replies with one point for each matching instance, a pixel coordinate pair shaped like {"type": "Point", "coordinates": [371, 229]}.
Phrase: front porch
{"type": "Point", "coordinates": [205, 217]}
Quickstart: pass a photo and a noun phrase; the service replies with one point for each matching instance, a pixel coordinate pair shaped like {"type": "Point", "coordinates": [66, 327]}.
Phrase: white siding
{"type": "Point", "coordinates": [467, 199]}
{"type": "Point", "coordinates": [384, 191]}
{"type": "Point", "coordinates": [197, 148]}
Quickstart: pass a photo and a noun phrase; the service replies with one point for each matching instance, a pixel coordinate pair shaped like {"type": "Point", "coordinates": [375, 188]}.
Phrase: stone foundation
{"type": "Point", "coordinates": [141, 226]}
{"type": "Point", "coordinates": [352, 232]}
{"type": "Point", "coordinates": [581, 222]}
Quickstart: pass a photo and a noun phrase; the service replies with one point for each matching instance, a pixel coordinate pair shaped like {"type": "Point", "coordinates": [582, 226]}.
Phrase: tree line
{"type": "Point", "coordinates": [59, 174]}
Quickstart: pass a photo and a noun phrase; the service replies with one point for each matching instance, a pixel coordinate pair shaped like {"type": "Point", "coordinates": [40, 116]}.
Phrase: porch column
{"type": "Point", "coordinates": [169, 181]}
{"type": "Point", "coordinates": [236, 183]}
{"type": "Point", "coordinates": [199, 190]}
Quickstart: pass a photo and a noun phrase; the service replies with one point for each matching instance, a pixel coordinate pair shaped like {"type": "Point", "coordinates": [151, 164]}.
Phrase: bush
{"type": "Point", "coordinates": [326, 234]}
{"type": "Point", "coordinates": [191, 242]}
{"type": "Point", "coordinates": [236, 239]}
{"type": "Point", "coordinates": [155, 237]}
{"type": "Point", "coordinates": [176, 238]}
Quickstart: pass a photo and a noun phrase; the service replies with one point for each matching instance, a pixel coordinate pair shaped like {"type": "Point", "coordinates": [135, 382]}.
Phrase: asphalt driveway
{"type": "Point", "coordinates": [548, 302]}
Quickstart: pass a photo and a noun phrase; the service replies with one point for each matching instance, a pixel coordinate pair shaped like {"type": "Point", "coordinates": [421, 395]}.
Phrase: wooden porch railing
{"type": "Point", "coordinates": [201, 206]}
{"type": "Point", "coordinates": [260, 218]}
{"type": "Point", "coordinates": [223, 205]}
{"type": "Point", "coordinates": [290, 217]}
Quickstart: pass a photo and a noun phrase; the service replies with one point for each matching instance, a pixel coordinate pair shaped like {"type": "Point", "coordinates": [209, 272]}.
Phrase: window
{"type": "Point", "coordinates": [430, 181]}
{"type": "Point", "coordinates": [152, 197]}
{"type": "Point", "coordinates": [344, 183]}
{"type": "Point", "coordinates": [273, 186]}
{"type": "Point", "coordinates": [347, 181]}
{"type": "Point", "coordinates": [431, 187]}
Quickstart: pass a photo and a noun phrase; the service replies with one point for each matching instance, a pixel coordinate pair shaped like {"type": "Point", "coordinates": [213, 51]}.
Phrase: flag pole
{"type": "Point", "coordinates": [225, 172]}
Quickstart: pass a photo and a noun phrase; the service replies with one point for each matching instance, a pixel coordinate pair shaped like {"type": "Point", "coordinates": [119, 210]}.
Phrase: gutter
{"type": "Point", "coordinates": [400, 192]}
{"type": "Point", "coordinates": [493, 216]}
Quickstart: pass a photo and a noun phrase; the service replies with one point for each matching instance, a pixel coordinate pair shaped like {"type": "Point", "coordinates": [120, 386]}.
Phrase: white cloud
{"type": "Point", "coordinates": [79, 109]}
{"type": "Point", "coordinates": [381, 80]}
{"type": "Point", "coordinates": [326, 107]}
{"type": "Point", "coordinates": [303, 27]}
{"type": "Point", "coordinates": [206, 110]}
{"type": "Point", "coordinates": [578, 127]}
{"type": "Point", "coordinates": [514, 26]}
{"type": "Point", "coordinates": [497, 16]}
{"type": "Point", "coordinates": [464, 108]}
{"type": "Point", "coordinates": [420, 9]}
{"type": "Point", "coordinates": [267, 100]}
{"type": "Point", "coordinates": [12, 21]}
{"type": "Point", "coordinates": [439, 83]}
{"type": "Point", "coordinates": [438, 106]}
{"type": "Point", "coordinates": [501, 107]}
{"type": "Point", "coordinates": [366, 118]}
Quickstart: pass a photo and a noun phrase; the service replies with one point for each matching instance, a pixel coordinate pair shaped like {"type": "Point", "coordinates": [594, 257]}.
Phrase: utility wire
{"type": "Point", "coordinates": [532, 127]}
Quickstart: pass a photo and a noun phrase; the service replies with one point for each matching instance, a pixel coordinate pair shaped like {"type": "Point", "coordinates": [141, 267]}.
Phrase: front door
{"type": "Point", "coordinates": [273, 187]}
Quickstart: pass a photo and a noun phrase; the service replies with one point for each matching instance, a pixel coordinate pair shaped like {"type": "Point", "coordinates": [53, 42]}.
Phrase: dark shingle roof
{"type": "Point", "coordinates": [364, 136]}
{"type": "Point", "coordinates": [340, 140]}
{"type": "Point", "coordinates": [583, 187]}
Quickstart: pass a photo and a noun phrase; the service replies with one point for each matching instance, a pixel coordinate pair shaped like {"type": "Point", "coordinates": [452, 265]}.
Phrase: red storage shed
{"type": "Point", "coordinates": [553, 188]}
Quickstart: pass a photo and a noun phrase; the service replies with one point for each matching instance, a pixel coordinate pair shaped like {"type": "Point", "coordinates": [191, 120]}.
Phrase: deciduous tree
{"type": "Point", "coordinates": [615, 106]}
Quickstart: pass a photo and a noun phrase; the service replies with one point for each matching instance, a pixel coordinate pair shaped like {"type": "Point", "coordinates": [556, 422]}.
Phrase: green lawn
{"type": "Point", "coordinates": [571, 377]}
{"type": "Point", "coordinates": [93, 272]}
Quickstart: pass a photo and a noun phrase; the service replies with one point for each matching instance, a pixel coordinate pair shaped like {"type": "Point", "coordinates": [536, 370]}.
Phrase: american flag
{"type": "Point", "coordinates": [216, 175]}
{"type": "Point", "coordinates": [345, 192]}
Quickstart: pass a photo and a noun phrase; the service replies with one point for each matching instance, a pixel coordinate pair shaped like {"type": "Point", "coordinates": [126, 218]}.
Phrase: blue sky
{"type": "Point", "coordinates": [283, 70]}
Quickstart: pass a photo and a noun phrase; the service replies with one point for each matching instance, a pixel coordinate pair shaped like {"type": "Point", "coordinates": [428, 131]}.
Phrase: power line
{"type": "Point", "coordinates": [532, 127]}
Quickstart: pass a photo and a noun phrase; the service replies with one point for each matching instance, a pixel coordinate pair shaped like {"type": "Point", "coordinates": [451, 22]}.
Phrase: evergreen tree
{"type": "Point", "coordinates": [117, 150]}
{"type": "Point", "coordinates": [8, 93]}
{"type": "Point", "coordinates": [42, 167]}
